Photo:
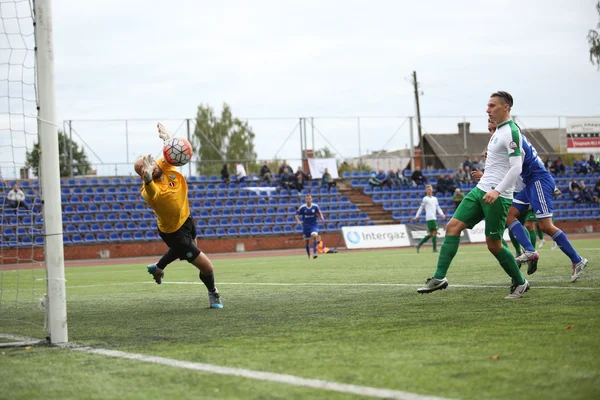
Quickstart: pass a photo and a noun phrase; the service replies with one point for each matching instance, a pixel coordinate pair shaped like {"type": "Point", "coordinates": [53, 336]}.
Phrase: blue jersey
{"type": "Point", "coordinates": [308, 215]}
{"type": "Point", "coordinates": [533, 166]}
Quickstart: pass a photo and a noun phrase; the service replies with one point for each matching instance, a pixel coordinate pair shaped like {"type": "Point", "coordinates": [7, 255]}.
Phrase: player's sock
{"type": "Point", "coordinates": [447, 253]}
{"type": "Point", "coordinates": [434, 240]}
{"type": "Point", "coordinates": [563, 243]}
{"type": "Point", "coordinates": [539, 232]}
{"type": "Point", "coordinates": [315, 247]}
{"type": "Point", "coordinates": [307, 249]}
{"type": "Point", "coordinates": [425, 238]}
{"type": "Point", "coordinates": [520, 233]}
{"type": "Point", "coordinates": [209, 281]}
{"type": "Point", "coordinates": [533, 238]}
{"type": "Point", "coordinates": [508, 263]}
{"type": "Point", "coordinates": [514, 242]}
{"type": "Point", "coordinates": [167, 259]}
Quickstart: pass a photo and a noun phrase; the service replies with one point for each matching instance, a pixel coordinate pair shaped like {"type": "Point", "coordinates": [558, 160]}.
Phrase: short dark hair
{"type": "Point", "coordinates": [505, 96]}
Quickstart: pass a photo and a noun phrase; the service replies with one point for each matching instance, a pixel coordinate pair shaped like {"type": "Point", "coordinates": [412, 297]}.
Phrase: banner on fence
{"type": "Point", "coordinates": [375, 236]}
{"type": "Point", "coordinates": [317, 167]}
{"type": "Point", "coordinates": [583, 135]}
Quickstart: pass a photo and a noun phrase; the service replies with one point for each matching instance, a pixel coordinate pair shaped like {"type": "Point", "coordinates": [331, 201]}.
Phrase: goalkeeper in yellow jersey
{"type": "Point", "coordinates": [166, 191]}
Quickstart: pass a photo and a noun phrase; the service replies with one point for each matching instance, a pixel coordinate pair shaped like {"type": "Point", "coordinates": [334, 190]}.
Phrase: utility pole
{"type": "Point", "coordinates": [416, 87]}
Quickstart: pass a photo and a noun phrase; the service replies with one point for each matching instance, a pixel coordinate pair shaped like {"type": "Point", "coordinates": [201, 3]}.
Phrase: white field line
{"type": "Point", "coordinates": [572, 287]}
{"type": "Point", "coordinates": [284, 379]}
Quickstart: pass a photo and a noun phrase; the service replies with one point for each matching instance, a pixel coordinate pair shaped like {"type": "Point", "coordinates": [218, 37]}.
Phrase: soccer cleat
{"type": "Point", "coordinates": [541, 244]}
{"type": "Point", "coordinates": [417, 247]}
{"type": "Point", "coordinates": [315, 256]}
{"type": "Point", "coordinates": [435, 251]}
{"type": "Point", "coordinates": [214, 299]}
{"type": "Point", "coordinates": [578, 269]}
{"type": "Point", "coordinates": [156, 272]}
{"type": "Point", "coordinates": [527, 256]}
{"type": "Point", "coordinates": [531, 267]}
{"type": "Point", "coordinates": [432, 285]}
{"type": "Point", "coordinates": [517, 291]}
{"type": "Point", "coordinates": [554, 246]}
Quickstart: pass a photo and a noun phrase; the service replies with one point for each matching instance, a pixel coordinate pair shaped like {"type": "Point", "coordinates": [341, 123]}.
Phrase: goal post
{"type": "Point", "coordinates": [56, 304]}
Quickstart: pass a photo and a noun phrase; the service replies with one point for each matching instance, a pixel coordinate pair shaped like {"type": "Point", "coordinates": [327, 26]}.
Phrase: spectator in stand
{"type": "Point", "coordinates": [594, 165]}
{"type": "Point", "coordinates": [240, 172]}
{"type": "Point", "coordinates": [225, 174]}
{"type": "Point", "coordinates": [441, 184]}
{"type": "Point", "coordinates": [451, 183]}
{"type": "Point", "coordinates": [475, 166]}
{"type": "Point", "coordinates": [373, 181]}
{"type": "Point", "coordinates": [586, 194]}
{"type": "Point", "coordinates": [458, 197]}
{"type": "Point", "coordinates": [467, 164]}
{"type": "Point", "coordinates": [417, 177]}
{"type": "Point", "coordinates": [581, 166]}
{"type": "Point", "coordinates": [461, 175]}
{"type": "Point", "coordinates": [393, 179]}
{"type": "Point", "coordinates": [283, 166]}
{"type": "Point", "coordinates": [327, 181]}
{"type": "Point", "coordinates": [265, 173]}
{"type": "Point", "coordinates": [575, 190]}
{"type": "Point", "coordinates": [596, 194]}
{"type": "Point", "coordinates": [286, 179]}
{"type": "Point", "coordinates": [548, 164]}
{"type": "Point", "coordinates": [558, 167]}
{"type": "Point", "coordinates": [403, 180]}
{"type": "Point", "coordinates": [16, 198]}
{"type": "Point", "coordinates": [299, 178]}
{"type": "Point", "coordinates": [382, 177]}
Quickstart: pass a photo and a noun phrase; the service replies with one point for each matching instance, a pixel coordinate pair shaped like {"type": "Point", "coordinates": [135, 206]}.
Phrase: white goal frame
{"type": "Point", "coordinates": [56, 297]}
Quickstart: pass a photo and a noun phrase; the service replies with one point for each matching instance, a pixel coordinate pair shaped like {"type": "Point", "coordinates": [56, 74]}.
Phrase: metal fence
{"type": "Point", "coordinates": [368, 141]}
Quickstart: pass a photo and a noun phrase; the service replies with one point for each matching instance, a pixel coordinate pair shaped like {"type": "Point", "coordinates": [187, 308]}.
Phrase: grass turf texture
{"type": "Point", "coordinates": [463, 342]}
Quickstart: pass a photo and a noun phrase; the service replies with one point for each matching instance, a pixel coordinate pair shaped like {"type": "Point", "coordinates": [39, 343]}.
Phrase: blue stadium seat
{"type": "Point", "coordinates": [254, 230]}
{"type": "Point", "coordinates": [89, 238]}
{"type": "Point", "coordinates": [101, 237]}
{"type": "Point", "coordinates": [232, 231]}
{"type": "Point", "coordinates": [265, 230]}
{"type": "Point", "coordinates": [83, 228]}
{"type": "Point", "coordinates": [126, 236]}
{"type": "Point", "coordinates": [150, 235]}
{"type": "Point", "coordinates": [208, 232]}
{"type": "Point", "coordinates": [107, 227]}
{"type": "Point", "coordinates": [220, 232]}
{"type": "Point", "coordinates": [138, 236]}
{"type": "Point", "coordinates": [100, 217]}
{"type": "Point", "coordinates": [39, 241]}
{"type": "Point", "coordinates": [243, 231]}
{"type": "Point", "coordinates": [95, 228]}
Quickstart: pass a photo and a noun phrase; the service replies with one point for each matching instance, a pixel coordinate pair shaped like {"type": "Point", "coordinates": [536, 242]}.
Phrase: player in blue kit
{"type": "Point", "coordinates": [309, 212]}
{"type": "Point", "coordinates": [538, 195]}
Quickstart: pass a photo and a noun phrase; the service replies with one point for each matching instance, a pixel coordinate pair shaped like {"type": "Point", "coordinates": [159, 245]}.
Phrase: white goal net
{"type": "Point", "coordinates": [24, 273]}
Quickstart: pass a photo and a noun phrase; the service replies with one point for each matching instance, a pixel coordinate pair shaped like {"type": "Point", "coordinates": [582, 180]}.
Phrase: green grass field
{"type": "Point", "coordinates": [353, 318]}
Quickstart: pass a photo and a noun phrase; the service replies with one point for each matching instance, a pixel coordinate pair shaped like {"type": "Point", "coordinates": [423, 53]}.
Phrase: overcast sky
{"type": "Point", "coordinates": [160, 59]}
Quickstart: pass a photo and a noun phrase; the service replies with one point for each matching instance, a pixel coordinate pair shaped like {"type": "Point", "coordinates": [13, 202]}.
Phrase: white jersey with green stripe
{"type": "Point", "coordinates": [504, 143]}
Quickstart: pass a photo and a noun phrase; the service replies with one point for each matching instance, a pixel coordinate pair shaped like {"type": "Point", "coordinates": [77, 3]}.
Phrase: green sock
{"type": "Point", "coordinates": [447, 253]}
{"type": "Point", "coordinates": [508, 263]}
{"type": "Point", "coordinates": [434, 240]}
{"type": "Point", "coordinates": [514, 242]}
{"type": "Point", "coordinates": [540, 234]}
{"type": "Point", "coordinates": [532, 237]}
{"type": "Point", "coordinates": [426, 238]}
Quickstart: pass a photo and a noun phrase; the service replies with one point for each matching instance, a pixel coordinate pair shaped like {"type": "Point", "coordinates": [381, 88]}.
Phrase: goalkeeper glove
{"type": "Point", "coordinates": [163, 132]}
{"type": "Point", "coordinates": [148, 168]}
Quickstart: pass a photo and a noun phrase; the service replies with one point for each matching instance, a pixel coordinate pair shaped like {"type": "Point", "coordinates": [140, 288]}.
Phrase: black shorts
{"type": "Point", "coordinates": [183, 241]}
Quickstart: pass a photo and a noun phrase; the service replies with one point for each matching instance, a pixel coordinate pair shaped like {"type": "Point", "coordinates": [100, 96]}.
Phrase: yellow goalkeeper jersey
{"type": "Point", "coordinates": [168, 197]}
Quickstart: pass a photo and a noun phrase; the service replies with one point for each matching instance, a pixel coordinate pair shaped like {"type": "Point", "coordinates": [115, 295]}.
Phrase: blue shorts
{"type": "Point", "coordinates": [539, 195]}
{"type": "Point", "coordinates": [307, 231]}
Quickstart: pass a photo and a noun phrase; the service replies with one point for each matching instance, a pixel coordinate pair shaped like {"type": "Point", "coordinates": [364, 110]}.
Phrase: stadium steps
{"type": "Point", "coordinates": [375, 212]}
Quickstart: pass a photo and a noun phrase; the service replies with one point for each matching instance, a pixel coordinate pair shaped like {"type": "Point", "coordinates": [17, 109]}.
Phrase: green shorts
{"type": "Point", "coordinates": [432, 225]}
{"type": "Point", "coordinates": [473, 209]}
{"type": "Point", "coordinates": [526, 217]}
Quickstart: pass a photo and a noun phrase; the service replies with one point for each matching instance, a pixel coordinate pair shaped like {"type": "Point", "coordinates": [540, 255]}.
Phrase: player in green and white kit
{"type": "Point", "coordinates": [490, 200]}
{"type": "Point", "coordinates": [432, 207]}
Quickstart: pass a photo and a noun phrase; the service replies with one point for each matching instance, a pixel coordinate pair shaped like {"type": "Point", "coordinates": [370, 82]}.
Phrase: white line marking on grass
{"type": "Point", "coordinates": [249, 374]}
{"type": "Point", "coordinates": [263, 376]}
{"type": "Point", "coordinates": [375, 284]}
